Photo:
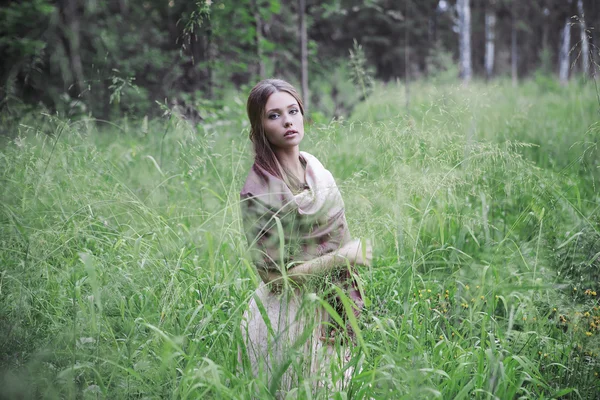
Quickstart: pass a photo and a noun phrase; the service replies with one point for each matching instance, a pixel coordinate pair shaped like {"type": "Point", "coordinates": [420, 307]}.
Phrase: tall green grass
{"type": "Point", "coordinates": [124, 271]}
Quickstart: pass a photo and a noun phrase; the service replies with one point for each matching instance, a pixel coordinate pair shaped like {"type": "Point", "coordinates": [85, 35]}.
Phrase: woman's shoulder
{"type": "Point", "coordinates": [310, 159]}
{"type": "Point", "coordinates": [254, 181]}
{"type": "Point", "coordinates": [260, 182]}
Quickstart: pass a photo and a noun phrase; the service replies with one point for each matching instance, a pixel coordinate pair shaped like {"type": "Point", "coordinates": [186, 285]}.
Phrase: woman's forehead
{"type": "Point", "coordinates": [280, 100]}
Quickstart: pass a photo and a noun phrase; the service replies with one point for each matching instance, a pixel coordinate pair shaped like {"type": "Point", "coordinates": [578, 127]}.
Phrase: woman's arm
{"type": "Point", "coordinates": [299, 274]}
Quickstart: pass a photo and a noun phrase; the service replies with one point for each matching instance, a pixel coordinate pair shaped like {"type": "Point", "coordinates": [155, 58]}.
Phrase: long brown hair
{"type": "Point", "coordinates": [264, 156]}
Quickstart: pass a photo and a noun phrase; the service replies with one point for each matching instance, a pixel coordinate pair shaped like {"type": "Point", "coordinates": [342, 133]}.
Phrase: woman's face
{"type": "Point", "coordinates": [283, 122]}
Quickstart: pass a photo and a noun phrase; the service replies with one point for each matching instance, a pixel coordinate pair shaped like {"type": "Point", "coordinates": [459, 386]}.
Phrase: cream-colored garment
{"type": "Point", "coordinates": [313, 222]}
{"type": "Point", "coordinates": [323, 193]}
{"type": "Point", "coordinates": [283, 331]}
{"type": "Point", "coordinates": [285, 340]}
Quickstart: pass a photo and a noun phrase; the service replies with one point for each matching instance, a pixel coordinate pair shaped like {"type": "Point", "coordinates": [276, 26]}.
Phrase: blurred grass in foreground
{"type": "Point", "coordinates": [124, 271]}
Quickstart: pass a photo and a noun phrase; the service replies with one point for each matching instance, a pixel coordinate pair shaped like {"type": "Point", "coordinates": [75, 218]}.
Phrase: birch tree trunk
{"type": "Point", "coordinates": [303, 52]}
{"type": "Point", "coordinates": [585, 44]}
{"type": "Point", "coordinates": [464, 39]}
{"type": "Point", "coordinates": [490, 37]}
{"type": "Point", "coordinates": [565, 45]}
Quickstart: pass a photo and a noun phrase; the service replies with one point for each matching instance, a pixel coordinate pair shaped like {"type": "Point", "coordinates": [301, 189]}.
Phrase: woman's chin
{"type": "Point", "coordinates": [289, 144]}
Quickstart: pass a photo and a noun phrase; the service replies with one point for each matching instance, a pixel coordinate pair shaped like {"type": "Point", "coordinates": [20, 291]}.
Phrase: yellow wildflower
{"type": "Point", "coordinates": [562, 318]}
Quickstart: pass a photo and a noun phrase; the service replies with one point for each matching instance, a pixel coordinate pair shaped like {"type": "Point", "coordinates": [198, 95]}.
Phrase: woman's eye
{"type": "Point", "coordinates": [273, 116]}
{"type": "Point", "coordinates": [293, 111]}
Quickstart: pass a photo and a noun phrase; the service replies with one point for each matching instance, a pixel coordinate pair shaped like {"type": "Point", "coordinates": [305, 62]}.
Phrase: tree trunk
{"type": "Point", "coordinates": [464, 39]}
{"type": "Point", "coordinates": [433, 25]}
{"type": "Point", "coordinates": [514, 49]}
{"type": "Point", "coordinates": [565, 45]}
{"type": "Point", "coordinates": [406, 60]}
{"type": "Point", "coordinates": [545, 32]}
{"type": "Point", "coordinates": [71, 33]}
{"type": "Point", "coordinates": [123, 7]}
{"type": "Point", "coordinates": [594, 42]}
{"type": "Point", "coordinates": [105, 115]}
{"type": "Point", "coordinates": [258, 26]}
{"type": "Point", "coordinates": [194, 72]}
{"type": "Point", "coordinates": [585, 44]}
{"type": "Point", "coordinates": [303, 52]}
{"type": "Point", "coordinates": [209, 59]}
{"type": "Point", "coordinates": [490, 37]}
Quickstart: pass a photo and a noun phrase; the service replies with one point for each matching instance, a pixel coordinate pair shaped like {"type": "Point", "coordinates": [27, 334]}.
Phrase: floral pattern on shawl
{"type": "Point", "coordinates": [313, 222]}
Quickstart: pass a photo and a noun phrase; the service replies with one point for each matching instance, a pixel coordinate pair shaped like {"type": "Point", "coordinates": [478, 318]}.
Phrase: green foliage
{"type": "Point", "coordinates": [546, 82]}
{"type": "Point", "coordinates": [125, 273]}
{"type": "Point", "coordinates": [360, 73]}
{"type": "Point", "coordinates": [63, 55]}
{"type": "Point", "coordinates": [546, 61]}
{"type": "Point", "coordinates": [22, 28]}
{"type": "Point", "coordinates": [440, 65]}
{"type": "Point", "coordinates": [338, 94]}
{"type": "Point", "coordinates": [117, 86]}
{"type": "Point", "coordinates": [199, 17]}
{"type": "Point", "coordinates": [22, 43]}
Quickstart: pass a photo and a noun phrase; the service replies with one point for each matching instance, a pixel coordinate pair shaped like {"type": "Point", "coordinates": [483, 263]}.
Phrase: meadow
{"type": "Point", "coordinates": [124, 271]}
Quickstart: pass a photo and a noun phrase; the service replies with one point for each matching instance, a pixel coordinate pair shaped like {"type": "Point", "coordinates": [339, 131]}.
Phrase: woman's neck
{"type": "Point", "coordinates": [290, 161]}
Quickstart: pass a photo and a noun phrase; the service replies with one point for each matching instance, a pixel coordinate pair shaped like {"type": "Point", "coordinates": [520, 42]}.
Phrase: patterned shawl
{"type": "Point", "coordinates": [313, 221]}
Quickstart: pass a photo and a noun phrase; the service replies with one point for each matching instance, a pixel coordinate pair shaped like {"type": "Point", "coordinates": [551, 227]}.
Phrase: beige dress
{"type": "Point", "coordinates": [286, 344]}
{"type": "Point", "coordinates": [284, 331]}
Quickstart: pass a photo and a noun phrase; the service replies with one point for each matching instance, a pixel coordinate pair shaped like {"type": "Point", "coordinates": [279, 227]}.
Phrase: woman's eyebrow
{"type": "Point", "coordinates": [277, 109]}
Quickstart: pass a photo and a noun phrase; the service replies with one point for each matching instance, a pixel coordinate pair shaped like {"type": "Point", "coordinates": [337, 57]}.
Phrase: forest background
{"type": "Point", "coordinates": [113, 58]}
{"type": "Point", "coordinates": [462, 134]}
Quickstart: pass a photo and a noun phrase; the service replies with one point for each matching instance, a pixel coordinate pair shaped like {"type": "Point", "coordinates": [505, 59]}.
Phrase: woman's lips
{"type": "Point", "coordinates": [290, 133]}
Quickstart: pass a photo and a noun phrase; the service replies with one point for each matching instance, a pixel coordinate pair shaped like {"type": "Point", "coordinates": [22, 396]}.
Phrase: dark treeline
{"type": "Point", "coordinates": [115, 57]}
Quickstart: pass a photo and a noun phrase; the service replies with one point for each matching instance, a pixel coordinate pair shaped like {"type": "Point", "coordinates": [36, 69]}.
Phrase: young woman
{"type": "Point", "coordinates": [296, 228]}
